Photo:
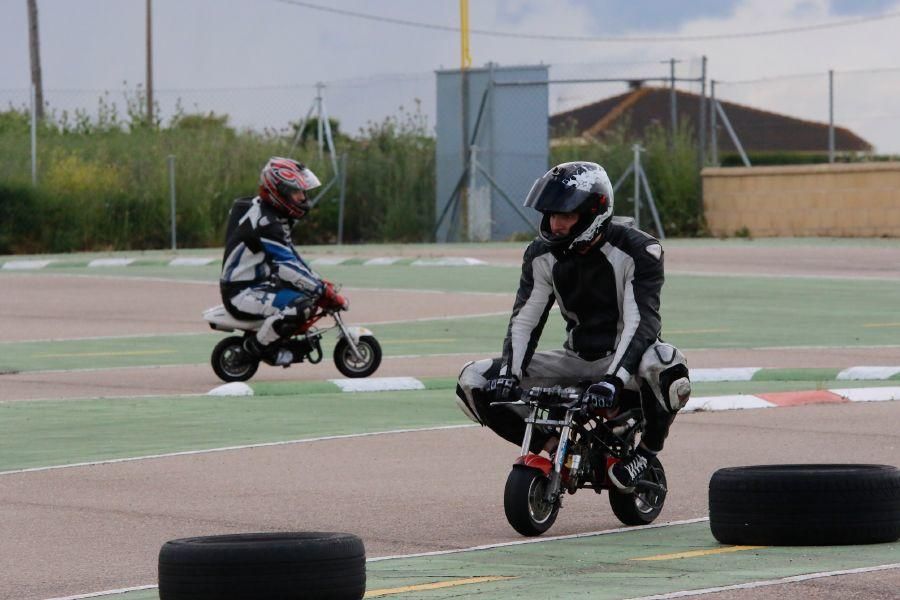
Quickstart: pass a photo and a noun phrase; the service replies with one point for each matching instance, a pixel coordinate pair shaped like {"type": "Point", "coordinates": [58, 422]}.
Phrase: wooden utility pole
{"type": "Point", "coordinates": [35, 46]}
{"type": "Point", "coordinates": [149, 67]}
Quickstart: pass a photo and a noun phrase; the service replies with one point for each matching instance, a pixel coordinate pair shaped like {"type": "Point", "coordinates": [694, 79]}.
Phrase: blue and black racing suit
{"type": "Point", "coordinates": [263, 276]}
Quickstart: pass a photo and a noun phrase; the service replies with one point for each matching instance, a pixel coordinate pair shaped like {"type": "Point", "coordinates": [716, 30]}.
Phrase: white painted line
{"type": "Point", "coordinates": [736, 402]}
{"type": "Point", "coordinates": [725, 374]}
{"type": "Point", "coordinates": [118, 396]}
{"type": "Point", "coordinates": [26, 264]}
{"type": "Point", "coordinates": [110, 262]}
{"type": "Point", "coordinates": [872, 394]}
{"type": "Point", "coordinates": [381, 261]}
{"type": "Point", "coordinates": [762, 275]}
{"type": "Point", "coordinates": [499, 313]}
{"type": "Point", "coordinates": [768, 582]}
{"type": "Point", "coordinates": [235, 388]}
{"type": "Point", "coordinates": [447, 261]}
{"type": "Point", "coordinates": [103, 337]}
{"type": "Point", "coordinates": [107, 592]}
{"type": "Point", "coordinates": [230, 448]}
{"type": "Point", "coordinates": [472, 355]}
{"type": "Point", "coordinates": [190, 261]}
{"type": "Point", "coordinates": [328, 260]}
{"type": "Point", "coordinates": [511, 294]}
{"type": "Point", "coordinates": [378, 384]}
{"type": "Point", "coordinates": [572, 536]}
{"type": "Point", "coordinates": [860, 373]}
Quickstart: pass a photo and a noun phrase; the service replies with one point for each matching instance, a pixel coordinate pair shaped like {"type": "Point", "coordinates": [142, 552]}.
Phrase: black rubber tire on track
{"type": "Point", "coordinates": [263, 566]}
{"type": "Point", "coordinates": [805, 505]}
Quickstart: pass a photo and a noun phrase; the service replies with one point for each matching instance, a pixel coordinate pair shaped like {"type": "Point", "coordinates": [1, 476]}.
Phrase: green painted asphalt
{"type": "Point", "coordinates": [606, 566]}
{"type": "Point", "coordinates": [700, 312]}
{"type": "Point", "coordinates": [46, 433]}
{"type": "Point", "coordinates": [37, 434]}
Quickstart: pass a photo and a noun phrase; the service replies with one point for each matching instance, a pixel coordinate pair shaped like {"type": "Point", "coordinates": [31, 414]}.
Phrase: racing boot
{"type": "Point", "coordinates": [624, 474]}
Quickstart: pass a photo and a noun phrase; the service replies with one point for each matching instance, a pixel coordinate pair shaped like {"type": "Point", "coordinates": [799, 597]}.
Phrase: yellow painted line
{"type": "Point", "coordinates": [682, 331]}
{"type": "Point", "coordinates": [132, 353]}
{"type": "Point", "coordinates": [430, 586]}
{"type": "Point", "coordinates": [881, 325]}
{"type": "Point", "coordinates": [695, 553]}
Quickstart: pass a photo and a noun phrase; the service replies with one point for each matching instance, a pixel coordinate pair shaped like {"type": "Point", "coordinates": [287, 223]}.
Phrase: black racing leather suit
{"type": "Point", "coordinates": [609, 298]}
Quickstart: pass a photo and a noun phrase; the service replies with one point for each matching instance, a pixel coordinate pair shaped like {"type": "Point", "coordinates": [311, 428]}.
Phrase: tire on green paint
{"type": "Point", "coordinates": [805, 505]}
{"type": "Point", "coordinates": [311, 565]}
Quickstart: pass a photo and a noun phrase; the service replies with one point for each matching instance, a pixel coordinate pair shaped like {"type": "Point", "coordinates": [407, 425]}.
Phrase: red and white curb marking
{"type": "Point", "coordinates": [778, 399]}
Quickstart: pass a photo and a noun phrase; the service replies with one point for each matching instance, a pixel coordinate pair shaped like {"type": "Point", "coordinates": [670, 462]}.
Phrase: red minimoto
{"type": "Point", "coordinates": [590, 440]}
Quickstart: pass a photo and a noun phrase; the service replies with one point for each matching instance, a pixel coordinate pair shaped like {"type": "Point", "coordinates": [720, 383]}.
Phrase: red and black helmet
{"type": "Point", "coordinates": [280, 179]}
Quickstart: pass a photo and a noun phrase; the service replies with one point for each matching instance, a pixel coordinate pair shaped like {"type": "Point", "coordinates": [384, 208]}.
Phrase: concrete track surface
{"type": "Point", "coordinates": [83, 529]}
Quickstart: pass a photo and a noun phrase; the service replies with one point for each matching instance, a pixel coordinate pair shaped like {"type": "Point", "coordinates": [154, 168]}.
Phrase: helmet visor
{"type": "Point", "coordinates": [308, 179]}
{"type": "Point", "coordinates": [549, 194]}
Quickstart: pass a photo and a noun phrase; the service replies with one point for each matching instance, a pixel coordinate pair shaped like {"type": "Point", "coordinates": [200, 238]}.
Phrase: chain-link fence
{"type": "Point", "coordinates": [812, 117]}
{"type": "Point", "coordinates": [597, 111]}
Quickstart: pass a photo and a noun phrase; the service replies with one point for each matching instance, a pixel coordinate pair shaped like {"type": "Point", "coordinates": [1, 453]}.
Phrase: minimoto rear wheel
{"type": "Point", "coordinates": [643, 505]}
{"type": "Point", "coordinates": [231, 362]}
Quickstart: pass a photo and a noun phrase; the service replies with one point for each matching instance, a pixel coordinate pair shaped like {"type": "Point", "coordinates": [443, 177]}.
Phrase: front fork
{"type": "Point", "coordinates": [339, 321]}
{"type": "Point", "coordinates": [553, 486]}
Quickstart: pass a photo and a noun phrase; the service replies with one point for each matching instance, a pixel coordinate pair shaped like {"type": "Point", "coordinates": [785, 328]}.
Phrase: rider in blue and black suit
{"type": "Point", "coordinates": [263, 276]}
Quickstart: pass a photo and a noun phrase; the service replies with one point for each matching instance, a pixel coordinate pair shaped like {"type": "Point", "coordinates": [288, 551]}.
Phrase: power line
{"type": "Point", "coordinates": [596, 39]}
{"type": "Point", "coordinates": [819, 74]}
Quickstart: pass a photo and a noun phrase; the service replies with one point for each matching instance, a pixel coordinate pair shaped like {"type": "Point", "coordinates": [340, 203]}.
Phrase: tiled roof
{"type": "Point", "coordinates": [758, 130]}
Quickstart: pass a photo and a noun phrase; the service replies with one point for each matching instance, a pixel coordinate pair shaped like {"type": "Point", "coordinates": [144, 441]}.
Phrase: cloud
{"type": "Point", "coordinates": [259, 60]}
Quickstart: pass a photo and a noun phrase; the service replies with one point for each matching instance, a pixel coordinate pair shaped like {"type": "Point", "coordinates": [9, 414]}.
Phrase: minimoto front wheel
{"type": "Point", "coordinates": [351, 365]}
{"type": "Point", "coordinates": [231, 362]}
{"type": "Point", "coordinates": [524, 501]}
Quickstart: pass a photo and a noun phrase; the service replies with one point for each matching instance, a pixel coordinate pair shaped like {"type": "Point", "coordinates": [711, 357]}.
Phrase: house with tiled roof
{"type": "Point", "coordinates": [758, 130]}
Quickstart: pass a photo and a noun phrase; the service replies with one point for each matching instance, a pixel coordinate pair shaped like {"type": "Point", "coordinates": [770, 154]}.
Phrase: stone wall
{"type": "Point", "coordinates": [845, 200]}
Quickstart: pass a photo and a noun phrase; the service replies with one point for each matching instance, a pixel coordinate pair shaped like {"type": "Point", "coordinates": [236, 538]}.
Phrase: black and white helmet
{"type": "Point", "coordinates": [573, 187]}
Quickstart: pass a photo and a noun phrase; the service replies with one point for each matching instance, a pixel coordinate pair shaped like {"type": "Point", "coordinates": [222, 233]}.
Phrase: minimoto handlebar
{"type": "Point", "coordinates": [554, 396]}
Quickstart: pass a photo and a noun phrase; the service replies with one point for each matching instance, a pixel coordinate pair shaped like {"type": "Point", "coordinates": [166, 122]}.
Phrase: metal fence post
{"type": "Point", "coordinates": [673, 111]}
{"type": "Point", "coordinates": [637, 185]}
{"type": "Point", "coordinates": [701, 137]}
{"type": "Point", "coordinates": [171, 161]}
{"type": "Point", "coordinates": [341, 198]}
{"type": "Point", "coordinates": [33, 136]}
{"type": "Point", "coordinates": [831, 115]}
{"type": "Point", "coordinates": [713, 126]}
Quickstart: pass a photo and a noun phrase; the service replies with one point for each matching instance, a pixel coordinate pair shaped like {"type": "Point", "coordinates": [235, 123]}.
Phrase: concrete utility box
{"type": "Point", "coordinates": [512, 146]}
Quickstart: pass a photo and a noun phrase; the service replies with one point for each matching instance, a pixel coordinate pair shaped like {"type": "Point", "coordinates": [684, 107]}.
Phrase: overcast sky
{"type": "Point", "coordinates": [258, 60]}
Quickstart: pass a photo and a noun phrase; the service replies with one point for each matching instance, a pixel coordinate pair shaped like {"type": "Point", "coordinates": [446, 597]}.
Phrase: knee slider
{"type": "Point", "coordinates": [675, 384]}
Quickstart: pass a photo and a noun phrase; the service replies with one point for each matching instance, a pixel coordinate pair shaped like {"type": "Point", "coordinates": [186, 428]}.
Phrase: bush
{"type": "Point", "coordinates": [19, 223]}
{"type": "Point", "coordinates": [671, 170]}
{"type": "Point", "coordinates": [103, 183]}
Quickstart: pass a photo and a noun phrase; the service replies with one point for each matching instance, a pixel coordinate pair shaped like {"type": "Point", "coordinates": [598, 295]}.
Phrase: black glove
{"type": "Point", "coordinates": [602, 394]}
{"type": "Point", "coordinates": [502, 387]}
